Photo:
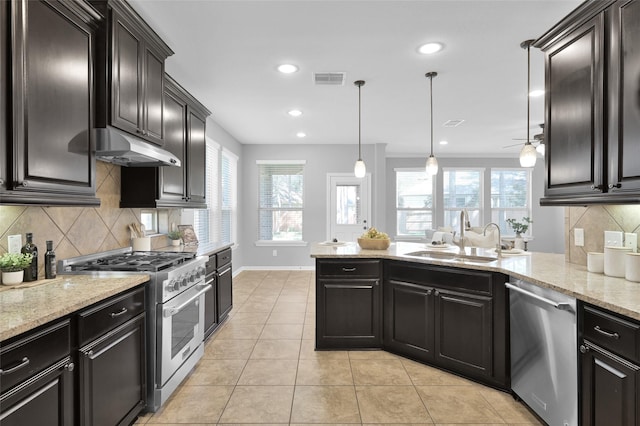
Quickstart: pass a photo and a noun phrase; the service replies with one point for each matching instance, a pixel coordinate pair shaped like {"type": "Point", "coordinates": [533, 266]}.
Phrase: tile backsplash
{"type": "Point", "coordinates": [78, 231]}
{"type": "Point", "coordinates": [595, 220]}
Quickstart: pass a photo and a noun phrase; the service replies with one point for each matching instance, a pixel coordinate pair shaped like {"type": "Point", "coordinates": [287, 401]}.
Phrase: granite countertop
{"type": "Point", "coordinates": [26, 307]}
{"type": "Point", "coordinates": [544, 269]}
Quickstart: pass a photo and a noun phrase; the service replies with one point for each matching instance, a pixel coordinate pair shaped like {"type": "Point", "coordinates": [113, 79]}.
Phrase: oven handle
{"type": "Point", "coordinates": [558, 305]}
{"type": "Point", "coordinates": [169, 312]}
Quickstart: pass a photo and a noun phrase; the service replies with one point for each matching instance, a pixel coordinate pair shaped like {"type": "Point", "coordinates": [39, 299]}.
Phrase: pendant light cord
{"type": "Point", "coordinates": [359, 122]}
{"type": "Point", "coordinates": [528, 89]}
{"type": "Point", "coordinates": [431, 108]}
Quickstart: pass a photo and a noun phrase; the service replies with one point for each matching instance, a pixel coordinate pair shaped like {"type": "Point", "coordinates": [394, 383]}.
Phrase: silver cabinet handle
{"type": "Point", "coordinates": [606, 333]}
{"type": "Point", "coordinates": [120, 312]}
{"type": "Point", "coordinates": [561, 306]}
{"type": "Point", "coordinates": [348, 269]}
{"type": "Point", "coordinates": [23, 363]}
{"type": "Point", "coordinates": [224, 272]}
{"type": "Point", "coordinates": [584, 349]}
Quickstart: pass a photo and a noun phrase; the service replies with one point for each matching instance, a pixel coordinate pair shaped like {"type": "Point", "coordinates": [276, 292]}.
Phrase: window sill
{"type": "Point", "coordinates": [266, 243]}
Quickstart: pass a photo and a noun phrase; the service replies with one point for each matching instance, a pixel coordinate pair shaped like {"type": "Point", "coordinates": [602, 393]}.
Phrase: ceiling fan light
{"type": "Point", "coordinates": [528, 155]}
{"type": "Point", "coordinates": [432, 166]}
{"type": "Point", "coordinates": [359, 170]}
{"type": "Point", "coordinates": [540, 148]}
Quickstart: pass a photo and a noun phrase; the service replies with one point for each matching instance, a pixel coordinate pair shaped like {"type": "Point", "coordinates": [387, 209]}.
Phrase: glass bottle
{"type": "Point", "coordinates": [31, 271]}
{"type": "Point", "coordinates": [50, 261]}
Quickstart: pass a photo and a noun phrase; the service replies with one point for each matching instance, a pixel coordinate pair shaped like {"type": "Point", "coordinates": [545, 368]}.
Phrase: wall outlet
{"type": "Point", "coordinates": [275, 253]}
{"type": "Point", "coordinates": [612, 238]}
{"type": "Point", "coordinates": [14, 243]}
{"type": "Point", "coordinates": [578, 237]}
{"type": "Point", "coordinates": [631, 241]}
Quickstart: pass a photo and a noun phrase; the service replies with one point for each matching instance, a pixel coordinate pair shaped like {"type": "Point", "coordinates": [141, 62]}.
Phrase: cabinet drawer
{"type": "Point", "coordinates": [223, 257]}
{"type": "Point", "coordinates": [98, 320]}
{"type": "Point", "coordinates": [349, 268]}
{"type": "Point", "coordinates": [33, 353]}
{"type": "Point", "coordinates": [613, 333]}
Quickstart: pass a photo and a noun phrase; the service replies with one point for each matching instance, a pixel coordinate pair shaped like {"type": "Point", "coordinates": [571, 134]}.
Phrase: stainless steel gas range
{"type": "Point", "coordinates": [175, 310]}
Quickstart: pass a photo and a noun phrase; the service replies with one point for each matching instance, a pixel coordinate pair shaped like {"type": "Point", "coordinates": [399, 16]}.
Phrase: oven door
{"type": "Point", "coordinates": [180, 331]}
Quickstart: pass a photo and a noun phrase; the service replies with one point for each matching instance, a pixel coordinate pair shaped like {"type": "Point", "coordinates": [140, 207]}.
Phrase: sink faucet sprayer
{"type": "Point", "coordinates": [499, 245]}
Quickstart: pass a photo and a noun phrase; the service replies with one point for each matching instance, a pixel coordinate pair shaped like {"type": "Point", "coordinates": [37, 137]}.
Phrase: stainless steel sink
{"type": "Point", "coordinates": [452, 256]}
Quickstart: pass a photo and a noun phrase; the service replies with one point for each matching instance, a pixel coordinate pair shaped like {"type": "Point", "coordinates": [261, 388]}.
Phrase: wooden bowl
{"type": "Point", "coordinates": [374, 244]}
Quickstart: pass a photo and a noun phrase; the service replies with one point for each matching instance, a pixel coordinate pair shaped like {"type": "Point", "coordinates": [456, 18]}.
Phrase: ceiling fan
{"type": "Point", "coordinates": [538, 141]}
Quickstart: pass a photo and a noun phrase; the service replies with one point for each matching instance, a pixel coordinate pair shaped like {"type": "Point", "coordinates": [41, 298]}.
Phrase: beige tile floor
{"type": "Point", "coordinates": [261, 367]}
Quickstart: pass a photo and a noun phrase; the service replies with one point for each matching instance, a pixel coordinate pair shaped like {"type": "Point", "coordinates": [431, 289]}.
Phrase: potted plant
{"type": "Point", "coordinates": [519, 227]}
{"type": "Point", "coordinates": [12, 266]}
{"type": "Point", "coordinates": [175, 237]}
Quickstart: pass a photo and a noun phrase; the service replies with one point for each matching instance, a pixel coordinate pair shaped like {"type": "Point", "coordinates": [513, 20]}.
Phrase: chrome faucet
{"type": "Point", "coordinates": [499, 245]}
{"type": "Point", "coordinates": [464, 225]}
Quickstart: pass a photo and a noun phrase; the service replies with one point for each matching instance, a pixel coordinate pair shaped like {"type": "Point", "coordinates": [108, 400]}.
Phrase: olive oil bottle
{"type": "Point", "coordinates": [31, 272]}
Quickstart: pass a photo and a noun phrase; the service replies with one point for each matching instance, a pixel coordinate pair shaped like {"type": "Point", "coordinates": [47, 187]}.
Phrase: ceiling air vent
{"type": "Point", "coordinates": [453, 123]}
{"type": "Point", "coordinates": [329, 78]}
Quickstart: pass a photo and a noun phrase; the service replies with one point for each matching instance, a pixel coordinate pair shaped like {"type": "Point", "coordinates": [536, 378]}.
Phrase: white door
{"type": "Point", "coordinates": [349, 206]}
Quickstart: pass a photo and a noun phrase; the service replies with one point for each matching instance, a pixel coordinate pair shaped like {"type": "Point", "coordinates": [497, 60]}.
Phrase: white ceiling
{"type": "Point", "coordinates": [226, 54]}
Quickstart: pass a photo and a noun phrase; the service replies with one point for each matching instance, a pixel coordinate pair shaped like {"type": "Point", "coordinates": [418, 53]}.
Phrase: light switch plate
{"type": "Point", "coordinates": [631, 240]}
{"type": "Point", "coordinates": [578, 237]}
{"type": "Point", "coordinates": [14, 243]}
{"type": "Point", "coordinates": [613, 238]}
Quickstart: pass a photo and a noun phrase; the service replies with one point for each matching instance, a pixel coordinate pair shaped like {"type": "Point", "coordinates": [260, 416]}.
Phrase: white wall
{"type": "Point", "coordinates": [548, 227]}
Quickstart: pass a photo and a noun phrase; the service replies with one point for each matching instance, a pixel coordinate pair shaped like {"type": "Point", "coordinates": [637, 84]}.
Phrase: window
{"type": "Point", "coordinates": [281, 201]}
{"type": "Point", "coordinates": [149, 218]}
{"type": "Point", "coordinates": [229, 194]}
{"type": "Point", "coordinates": [414, 202]}
{"type": "Point", "coordinates": [462, 189]}
{"type": "Point", "coordinates": [510, 196]}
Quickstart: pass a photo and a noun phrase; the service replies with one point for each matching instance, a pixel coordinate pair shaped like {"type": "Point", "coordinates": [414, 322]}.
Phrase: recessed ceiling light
{"type": "Point", "coordinates": [287, 68]}
{"type": "Point", "coordinates": [444, 142]}
{"type": "Point", "coordinates": [429, 48]}
{"type": "Point", "coordinates": [301, 134]}
{"type": "Point", "coordinates": [295, 113]}
{"type": "Point", "coordinates": [536, 93]}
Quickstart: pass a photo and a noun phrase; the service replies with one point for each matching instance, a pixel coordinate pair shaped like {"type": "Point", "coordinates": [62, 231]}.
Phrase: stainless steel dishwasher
{"type": "Point", "coordinates": [544, 359]}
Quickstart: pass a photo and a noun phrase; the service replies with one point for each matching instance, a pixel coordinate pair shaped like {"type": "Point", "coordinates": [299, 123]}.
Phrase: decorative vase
{"type": "Point", "coordinates": [12, 277]}
{"type": "Point", "coordinates": [175, 242]}
{"type": "Point", "coordinates": [518, 242]}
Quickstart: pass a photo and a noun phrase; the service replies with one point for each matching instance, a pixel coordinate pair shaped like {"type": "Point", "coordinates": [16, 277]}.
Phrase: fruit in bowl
{"type": "Point", "coordinates": [374, 240]}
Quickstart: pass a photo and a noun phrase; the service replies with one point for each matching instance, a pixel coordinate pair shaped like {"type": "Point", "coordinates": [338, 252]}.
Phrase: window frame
{"type": "Point", "coordinates": [529, 200]}
{"type": "Point", "coordinates": [433, 209]}
{"type": "Point", "coordinates": [480, 209]}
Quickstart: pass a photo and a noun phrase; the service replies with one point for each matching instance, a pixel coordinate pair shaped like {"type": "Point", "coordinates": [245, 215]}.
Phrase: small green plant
{"type": "Point", "coordinates": [174, 235]}
{"type": "Point", "coordinates": [13, 262]}
{"type": "Point", "coordinates": [519, 227]}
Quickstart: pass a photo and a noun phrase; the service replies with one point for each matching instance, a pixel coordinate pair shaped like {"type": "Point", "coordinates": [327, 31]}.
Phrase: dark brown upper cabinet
{"type": "Point", "coordinates": [184, 130]}
{"type": "Point", "coordinates": [47, 103]}
{"type": "Point", "coordinates": [592, 63]}
{"type": "Point", "coordinates": [130, 70]}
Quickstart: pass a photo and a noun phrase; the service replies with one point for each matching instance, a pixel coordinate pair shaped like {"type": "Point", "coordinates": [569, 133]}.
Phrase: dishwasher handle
{"type": "Point", "coordinates": [558, 305]}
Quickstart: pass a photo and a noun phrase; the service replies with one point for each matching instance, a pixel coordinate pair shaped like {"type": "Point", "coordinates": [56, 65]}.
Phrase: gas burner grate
{"type": "Point", "coordinates": [139, 261]}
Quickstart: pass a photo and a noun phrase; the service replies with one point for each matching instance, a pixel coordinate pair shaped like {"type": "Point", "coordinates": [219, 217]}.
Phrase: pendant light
{"type": "Point", "coordinates": [432, 163]}
{"type": "Point", "coordinates": [360, 170]}
{"type": "Point", "coordinates": [528, 154]}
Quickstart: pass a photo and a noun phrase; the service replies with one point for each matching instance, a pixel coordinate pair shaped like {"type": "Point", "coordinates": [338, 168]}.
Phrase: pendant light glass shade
{"type": "Point", "coordinates": [540, 148]}
{"type": "Point", "coordinates": [359, 169]}
{"type": "Point", "coordinates": [432, 164]}
{"type": "Point", "coordinates": [528, 154]}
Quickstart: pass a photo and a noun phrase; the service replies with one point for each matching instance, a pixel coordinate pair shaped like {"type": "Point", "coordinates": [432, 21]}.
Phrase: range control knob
{"type": "Point", "coordinates": [172, 286]}
{"type": "Point", "coordinates": [183, 281]}
{"type": "Point", "coordinates": [192, 277]}
{"type": "Point", "coordinates": [202, 271]}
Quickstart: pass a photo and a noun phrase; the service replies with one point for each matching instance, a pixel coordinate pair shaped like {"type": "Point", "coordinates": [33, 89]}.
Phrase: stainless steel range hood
{"type": "Point", "coordinates": [115, 146]}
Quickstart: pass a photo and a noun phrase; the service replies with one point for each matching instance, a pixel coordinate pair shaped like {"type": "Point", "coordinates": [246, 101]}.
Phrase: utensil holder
{"type": "Point", "coordinates": [141, 244]}
{"type": "Point", "coordinates": [595, 262]}
{"type": "Point", "coordinates": [614, 261]}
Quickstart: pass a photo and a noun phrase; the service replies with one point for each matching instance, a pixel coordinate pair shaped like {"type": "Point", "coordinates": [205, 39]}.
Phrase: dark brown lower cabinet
{"type": "Point", "coordinates": [112, 376]}
{"type": "Point", "coordinates": [210, 306]}
{"type": "Point", "coordinates": [610, 389]}
{"type": "Point", "coordinates": [225, 291]}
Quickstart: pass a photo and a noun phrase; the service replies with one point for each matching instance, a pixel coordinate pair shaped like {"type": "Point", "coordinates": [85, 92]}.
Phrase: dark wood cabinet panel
{"type": "Point", "coordinates": [173, 179]}
{"type": "Point", "coordinates": [51, 159]}
{"type": "Point", "coordinates": [197, 155]}
{"type": "Point", "coordinates": [153, 95]}
{"type": "Point", "coordinates": [211, 305]}
{"type": "Point", "coordinates": [610, 388]}
{"type": "Point", "coordinates": [224, 291]}
{"type": "Point", "coordinates": [126, 69]}
{"type": "Point", "coordinates": [4, 93]}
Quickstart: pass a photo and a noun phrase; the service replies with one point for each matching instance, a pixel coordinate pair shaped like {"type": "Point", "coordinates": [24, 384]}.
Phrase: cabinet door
{"type": "Point", "coordinates": [408, 319]}
{"type": "Point", "coordinates": [173, 178]}
{"type": "Point", "coordinates": [112, 376]}
{"type": "Point", "coordinates": [153, 96]}
{"type": "Point", "coordinates": [126, 81]}
{"type": "Point", "coordinates": [225, 293]}
{"type": "Point", "coordinates": [348, 313]}
{"type": "Point", "coordinates": [210, 306]}
{"type": "Point", "coordinates": [464, 332]}
{"type": "Point", "coordinates": [574, 112]}
{"type": "Point", "coordinates": [197, 158]}
{"type": "Point", "coordinates": [610, 389]}
{"type": "Point", "coordinates": [46, 399]}
{"type": "Point", "coordinates": [52, 100]}
{"type": "Point", "coordinates": [4, 92]}
{"type": "Point", "coordinates": [624, 86]}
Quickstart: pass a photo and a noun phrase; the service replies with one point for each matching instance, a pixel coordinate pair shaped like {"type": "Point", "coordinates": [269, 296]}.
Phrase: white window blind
{"type": "Point", "coordinates": [207, 221]}
{"type": "Point", "coordinates": [229, 196]}
{"type": "Point", "coordinates": [510, 196]}
{"type": "Point", "coordinates": [281, 200]}
{"type": "Point", "coordinates": [462, 189]}
{"type": "Point", "coordinates": [414, 202]}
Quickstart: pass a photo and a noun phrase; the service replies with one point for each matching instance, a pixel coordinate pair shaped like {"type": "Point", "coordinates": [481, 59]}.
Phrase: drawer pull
{"type": "Point", "coordinates": [23, 363]}
{"type": "Point", "coordinates": [348, 269]}
{"type": "Point", "coordinates": [606, 333]}
{"type": "Point", "coordinates": [120, 312]}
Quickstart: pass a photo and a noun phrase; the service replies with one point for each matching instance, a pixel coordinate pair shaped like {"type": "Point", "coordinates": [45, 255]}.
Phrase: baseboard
{"type": "Point", "coordinates": [274, 268]}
